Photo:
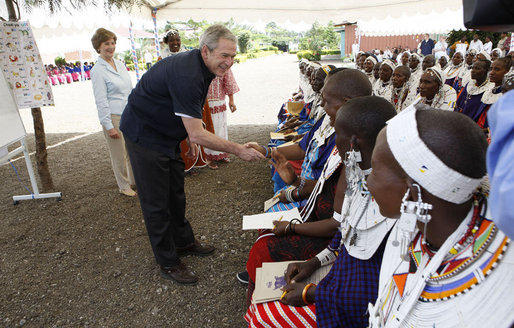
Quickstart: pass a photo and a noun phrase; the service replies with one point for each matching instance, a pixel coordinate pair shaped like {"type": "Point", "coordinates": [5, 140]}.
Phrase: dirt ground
{"type": "Point", "coordinates": [86, 261]}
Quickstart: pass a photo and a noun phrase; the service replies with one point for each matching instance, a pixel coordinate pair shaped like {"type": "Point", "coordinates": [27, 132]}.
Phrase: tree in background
{"type": "Point", "coordinates": [455, 36]}
{"type": "Point", "coordinates": [243, 40]}
{"type": "Point", "coordinates": [320, 37]}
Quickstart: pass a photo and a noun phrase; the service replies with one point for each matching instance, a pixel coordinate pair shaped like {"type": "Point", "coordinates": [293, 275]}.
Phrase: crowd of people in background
{"type": "Point", "coordinates": [68, 73]}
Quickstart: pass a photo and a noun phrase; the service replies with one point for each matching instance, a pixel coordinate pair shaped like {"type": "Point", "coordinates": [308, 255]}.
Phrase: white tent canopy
{"type": "Point", "coordinates": [431, 16]}
{"type": "Point", "coordinates": [72, 29]}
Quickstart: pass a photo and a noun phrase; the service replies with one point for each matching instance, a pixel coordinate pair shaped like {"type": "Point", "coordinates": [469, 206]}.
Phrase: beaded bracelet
{"type": "Point", "coordinates": [289, 195]}
{"type": "Point", "coordinates": [304, 293]}
{"type": "Point", "coordinates": [302, 183]}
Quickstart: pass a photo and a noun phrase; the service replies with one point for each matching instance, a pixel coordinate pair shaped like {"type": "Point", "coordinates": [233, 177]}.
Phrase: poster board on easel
{"type": "Point", "coordinates": [17, 40]}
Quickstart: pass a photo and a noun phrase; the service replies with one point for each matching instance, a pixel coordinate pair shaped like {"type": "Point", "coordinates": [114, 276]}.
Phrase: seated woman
{"type": "Point", "coordinates": [428, 61]}
{"type": "Point", "coordinates": [452, 71]}
{"type": "Point", "coordinates": [446, 264]}
{"type": "Point", "coordinates": [369, 64]}
{"type": "Point", "coordinates": [495, 54]}
{"type": "Point", "coordinates": [465, 74]}
{"type": "Point", "coordinates": [314, 148]}
{"type": "Point", "coordinates": [376, 75]}
{"type": "Point", "coordinates": [285, 119]}
{"type": "Point", "coordinates": [383, 87]}
{"type": "Point", "coordinates": [404, 59]}
{"type": "Point", "coordinates": [443, 62]}
{"type": "Point", "coordinates": [499, 68]}
{"type": "Point", "coordinates": [400, 95]}
{"type": "Point", "coordinates": [341, 298]}
{"type": "Point", "coordinates": [415, 72]}
{"type": "Point", "coordinates": [360, 60]}
{"type": "Point", "coordinates": [298, 95]}
{"type": "Point", "coordinates": [303, 126]}
{"type": "Point", "coordinates": [470, 97]}
{"type": "Point", "coordinates": [433, 92]}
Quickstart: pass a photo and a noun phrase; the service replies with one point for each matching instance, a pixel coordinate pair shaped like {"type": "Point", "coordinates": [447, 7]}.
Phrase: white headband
{"type": "Point", "coordinates": [434, 70]}
{"type": "Point", "coordinates": [485, 54]}
{"type": "Point", "coordinates": [389, 63]}
{"type": "Point", "coordinates": [371, 59]}
{"type": "Point", "coordinates": [498, 50]}
{"type": "Point", "coordinates": [422, 165]}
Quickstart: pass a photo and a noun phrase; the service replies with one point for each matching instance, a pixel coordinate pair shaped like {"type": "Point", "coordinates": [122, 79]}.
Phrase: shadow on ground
{"type": "Point", "coordinates": [86, 260]}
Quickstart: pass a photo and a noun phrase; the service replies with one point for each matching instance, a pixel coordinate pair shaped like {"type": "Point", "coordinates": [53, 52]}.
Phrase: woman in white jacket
{"type": "Point", "coordinates": [111, 87]}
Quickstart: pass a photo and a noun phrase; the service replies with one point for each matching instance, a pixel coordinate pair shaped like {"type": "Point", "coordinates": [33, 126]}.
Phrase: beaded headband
{"type": "Point", "coordinates": [485, 54]}
{"type": "Point", "coordinates": [326, 68]}
{"type": "Point", "coordinates": [171, 32]}
{"type": "Point", "coordinates": [371, 59]}
{"type": "Point", "coordinates": [389, 63]}
{"type": "Point", "coordinates": [422, 165]}
{"type": "Point", "coordinates": [435, 72]}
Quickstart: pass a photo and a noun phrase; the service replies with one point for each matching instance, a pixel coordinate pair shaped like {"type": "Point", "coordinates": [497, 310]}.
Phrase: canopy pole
{"type": "Point", "coordinates": [156, 37]}
{"type": "Point", "coordinates": [134, 55]}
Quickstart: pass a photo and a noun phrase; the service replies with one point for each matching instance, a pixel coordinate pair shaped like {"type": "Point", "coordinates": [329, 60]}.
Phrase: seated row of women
{"type": "Point", "coordinates": [470, 87]}
{"type": "Point", "coordinates": [349, 218]}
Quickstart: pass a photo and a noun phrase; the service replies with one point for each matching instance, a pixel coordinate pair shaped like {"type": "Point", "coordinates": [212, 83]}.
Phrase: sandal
{"type": "Point", "coordinates": [213, 166]}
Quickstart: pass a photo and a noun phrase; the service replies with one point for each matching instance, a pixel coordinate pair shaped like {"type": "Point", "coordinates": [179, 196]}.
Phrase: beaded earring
{"type": "Point", "coordinates": [351, 161]}
{"type": "Point", "coordinates": [411, 212]}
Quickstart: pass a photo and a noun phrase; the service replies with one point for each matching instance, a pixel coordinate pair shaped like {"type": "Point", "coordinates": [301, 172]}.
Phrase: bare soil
{"type": "Point", "coordinates": [86, 261]}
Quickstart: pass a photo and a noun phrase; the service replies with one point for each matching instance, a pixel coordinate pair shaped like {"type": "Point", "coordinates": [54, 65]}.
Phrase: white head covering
{"type": "Point", "coordinates": [422, 165]}
{"type": "Point", "coordinates": [436, 72]}
{"type": "Point", "coordinates": [371, 59]}
{"type": "Point", "coordinates": [389, 63]}
{"type": "Point", "coordinates": [498, 50]}
{"type": "Point", "coordinates": [472, 51]}
{"type": "Point", "coordinates": [485, 54]}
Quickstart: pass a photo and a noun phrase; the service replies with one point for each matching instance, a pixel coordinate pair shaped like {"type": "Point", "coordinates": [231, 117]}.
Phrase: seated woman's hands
{"type": "Point", "coordinates": [299, 271]}
{"type": "Point", "coordinates": [284, 169]}
{"type": "Point", "coordinates": [280, 228]}
{"type": "Point", "coordinates": [294, 294]}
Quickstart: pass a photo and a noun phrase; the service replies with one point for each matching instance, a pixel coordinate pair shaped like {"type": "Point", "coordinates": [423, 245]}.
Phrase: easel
{"type": "Point", "coordinates": [33, 182]}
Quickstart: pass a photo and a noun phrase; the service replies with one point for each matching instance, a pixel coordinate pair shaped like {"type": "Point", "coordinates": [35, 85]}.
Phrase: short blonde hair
{"type": "Point", "coordinates": [101, 35]}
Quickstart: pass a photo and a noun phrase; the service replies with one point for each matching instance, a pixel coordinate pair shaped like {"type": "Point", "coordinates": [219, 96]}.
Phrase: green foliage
{"type": "Point", "coordinates": [243, 40]}
{"type": "Point", "coordinates": [320, 37]}
{"type": "Point", "coordinates": [309, 55]}
{"type": "Point", "coordinates": [59, 61]}
{"type": "Point", "coordinates": [455, 36]}
{"type": "Point", "coordinates": [330, 52]}
{"type": "Point", "coordinates": [127, 57]}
